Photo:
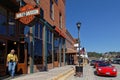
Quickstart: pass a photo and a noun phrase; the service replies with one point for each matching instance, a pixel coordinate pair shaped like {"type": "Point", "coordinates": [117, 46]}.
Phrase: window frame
{"type": "Point", "coordinates": [52, 9]}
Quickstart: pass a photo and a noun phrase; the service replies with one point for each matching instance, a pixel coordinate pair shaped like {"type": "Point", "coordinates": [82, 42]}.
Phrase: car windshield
{"type": "Point", "coordinates": [104, 65]}
{"type": "Point", "coordinates": [93, 60]}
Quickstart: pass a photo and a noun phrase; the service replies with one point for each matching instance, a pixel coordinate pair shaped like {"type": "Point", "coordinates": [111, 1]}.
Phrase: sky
{"type": "Point", "coordinates": [100, 28]}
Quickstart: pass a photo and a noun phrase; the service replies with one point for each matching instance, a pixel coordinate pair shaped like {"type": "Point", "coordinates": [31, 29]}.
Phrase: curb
{"type": "Point", "coordinates": [67, 75]}
{"type": "Point", "coordinates": [63, 76]}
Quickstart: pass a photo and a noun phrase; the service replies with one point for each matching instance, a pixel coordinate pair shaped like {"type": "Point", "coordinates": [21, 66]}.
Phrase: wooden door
{"type": "Point", "coordinates": [22, 59]}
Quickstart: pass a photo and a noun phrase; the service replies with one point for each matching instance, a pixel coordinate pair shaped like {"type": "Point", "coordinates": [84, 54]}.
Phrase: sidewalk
{"type": "Point", "coordinates": [87, 74]}
{"type": "Point", "coordinates": [53, 74]}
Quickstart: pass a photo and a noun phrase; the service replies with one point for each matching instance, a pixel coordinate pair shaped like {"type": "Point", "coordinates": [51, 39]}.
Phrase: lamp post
{"type": "Point", "coordinates": [79, 69]}
{"type": "Point", "coordinates": [78, 26]}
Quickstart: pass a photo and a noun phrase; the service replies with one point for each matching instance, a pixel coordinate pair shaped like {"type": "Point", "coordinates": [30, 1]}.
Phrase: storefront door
{"type": "Point", "coordinates": [21, 51]}
{"type": "Point", "coordinates": [2, 58]}
{"type": "Point", "coordinates": [22, 58]}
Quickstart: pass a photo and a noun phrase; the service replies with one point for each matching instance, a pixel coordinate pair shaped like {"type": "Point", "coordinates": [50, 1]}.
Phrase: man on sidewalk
{"type": "Point", "coordinates": [11, 62]}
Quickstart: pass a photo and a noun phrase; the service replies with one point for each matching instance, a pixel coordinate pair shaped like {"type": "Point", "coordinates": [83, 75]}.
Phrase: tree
{"type": "Point", "coordinates": [94, 54]}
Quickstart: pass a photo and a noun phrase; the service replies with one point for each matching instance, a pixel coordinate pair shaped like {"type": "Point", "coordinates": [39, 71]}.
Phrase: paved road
{"type": "Point", "coordinates": [89, 75]}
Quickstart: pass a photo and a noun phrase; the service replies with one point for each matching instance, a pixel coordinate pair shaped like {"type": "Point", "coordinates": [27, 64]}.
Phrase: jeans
{"type": "Point", "coordinates": [11, 68]}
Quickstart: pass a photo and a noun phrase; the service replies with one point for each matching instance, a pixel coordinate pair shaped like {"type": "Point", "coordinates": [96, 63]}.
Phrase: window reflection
{"type": "Point", "coordinates": [38, 30]}
{"type": "Point", "coordinates": [38, 59]}
{"type": "Point", "coordinates": [49, 46]}
{"type": "Point", "coordinates": [3, 21]}
{"type": "Point", "coordinates": [56, 49]}
{"type": "Point", "coordinates": [38, 52]}
{"type": "Point", "coordinates": [11, 24]}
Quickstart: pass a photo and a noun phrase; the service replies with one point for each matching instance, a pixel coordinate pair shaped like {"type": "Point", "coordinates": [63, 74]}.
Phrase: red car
{"type": "Point", "coordinates": [106, 69]}
{"type": "Point", "coordinates": [97, 63]}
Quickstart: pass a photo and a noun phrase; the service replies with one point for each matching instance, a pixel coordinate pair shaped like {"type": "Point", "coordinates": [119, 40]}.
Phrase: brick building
{"type": "Point", "coordinates": [71, 51]}
{"type": "Point", "coordinates": [36, 30]}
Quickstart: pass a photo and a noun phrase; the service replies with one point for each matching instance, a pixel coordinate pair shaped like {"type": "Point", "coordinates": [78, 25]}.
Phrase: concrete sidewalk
{"type": "Point", "coordinates": [87, 74]}
{"type": "Point", "coordinates": [59, 73]}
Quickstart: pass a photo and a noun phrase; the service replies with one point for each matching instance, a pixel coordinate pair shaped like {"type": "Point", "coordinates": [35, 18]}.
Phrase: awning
{"type": "Point", "coordinates": [61, 33]}
{"type": "Point", "coordinates": [70, 50]}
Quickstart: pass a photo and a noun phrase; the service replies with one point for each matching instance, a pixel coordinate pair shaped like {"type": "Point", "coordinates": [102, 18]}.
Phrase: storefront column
{"type": "Point", "coordinates": [60, 47]}
{"type": "Point", "coordinates": [45, 48]}
{"type": "Point", "coordinates": [64, 47]}
{"type": "Point", "coordinates": [52, 49]}
{"type": "Point", "coordinates": [31, 49]}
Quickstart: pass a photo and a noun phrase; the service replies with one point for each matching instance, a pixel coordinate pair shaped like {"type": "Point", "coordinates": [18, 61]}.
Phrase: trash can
{"type": "Point", "coordinates": [79, 71]}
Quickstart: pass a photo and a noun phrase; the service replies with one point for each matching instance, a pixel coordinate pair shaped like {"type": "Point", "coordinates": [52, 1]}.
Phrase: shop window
{"type": "Point", "coordinates": [3, 21]}
{"type": "Point", "coordinates": [48, 33]}
{"type": "Point", "coordinates": [61, 49]}
{"type": "Point", "coordinates": [41, 31]}
{"type": "Point", "coordinates": [38, 31]}
{"type": "Point", "coordinates": [56, 49]}
{"type": "Point", "coordinates": [49, 36]}
{"type": "Point", "coordinates": [56, 42]}
{"type": "Point", "coordinates": [56, 53]}
{"type": "Point", "coordinates": [49, 53]}
{"type": "Point", "coordinates": [38, 59]}
{"type": "Point", "coordinates": [49, 46]}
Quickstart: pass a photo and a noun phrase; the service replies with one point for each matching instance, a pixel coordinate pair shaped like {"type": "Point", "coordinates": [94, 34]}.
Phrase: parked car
{"type": "Point", "coordinates": [92, 62]}
{"type": "Point", "coordinates": [116, 61]}
{"type": "Point", "coordinates": [106, 69]}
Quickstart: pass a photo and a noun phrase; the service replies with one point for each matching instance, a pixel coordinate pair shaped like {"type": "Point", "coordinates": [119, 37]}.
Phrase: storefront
{"type": "Point", "coordinates": [38, 45]}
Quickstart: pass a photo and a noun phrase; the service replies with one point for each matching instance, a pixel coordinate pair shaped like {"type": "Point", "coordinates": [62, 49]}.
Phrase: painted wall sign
{"type": "Point", "coordinates": [27, 13]}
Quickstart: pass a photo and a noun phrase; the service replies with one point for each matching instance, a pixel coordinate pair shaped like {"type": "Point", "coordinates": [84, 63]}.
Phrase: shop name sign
{"type": "Point", "coordinates": [27, 13]}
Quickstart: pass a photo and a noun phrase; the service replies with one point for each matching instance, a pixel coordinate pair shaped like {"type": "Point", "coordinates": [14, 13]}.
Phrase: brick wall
{"type": "Point", "coordinates": [58, 8]}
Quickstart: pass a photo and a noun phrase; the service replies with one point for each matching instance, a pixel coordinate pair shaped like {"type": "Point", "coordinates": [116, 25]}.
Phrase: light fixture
{"type": "Point", "coordinates": [15, 43]}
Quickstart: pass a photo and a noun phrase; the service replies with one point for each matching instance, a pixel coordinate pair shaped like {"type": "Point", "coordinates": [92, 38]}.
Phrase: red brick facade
{"type": "Point", "coordinates": [71, 52]}
{"type": "Point", "coordinates": [58, 8]}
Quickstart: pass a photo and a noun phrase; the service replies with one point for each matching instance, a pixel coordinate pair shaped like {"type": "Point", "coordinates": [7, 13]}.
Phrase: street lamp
{"type": "Point", "coordinates": [78, 26]}
{"type": "Point", "coordinates": [79, 69]}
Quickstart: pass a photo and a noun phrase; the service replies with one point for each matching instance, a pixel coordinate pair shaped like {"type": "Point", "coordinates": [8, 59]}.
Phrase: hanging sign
{"type": "Point", "coordinates": [27, 14]}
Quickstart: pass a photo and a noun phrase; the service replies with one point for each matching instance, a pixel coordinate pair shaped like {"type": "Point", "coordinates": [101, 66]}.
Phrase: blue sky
{"type": "Point", "coordinates": [100, 29]}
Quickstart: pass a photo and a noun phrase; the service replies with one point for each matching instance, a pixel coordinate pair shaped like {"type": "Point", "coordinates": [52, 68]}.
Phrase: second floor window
{"type": "Point", "coordinates": [11, 24]}
{"type": "Point", "coordinates": [56, 1]}
{"type": "Point", "coordinates": [51, 10]}
{"type": "Point", "coordinates": [3, 21]}
{"type": "Point", "coordinates": [60, 21]}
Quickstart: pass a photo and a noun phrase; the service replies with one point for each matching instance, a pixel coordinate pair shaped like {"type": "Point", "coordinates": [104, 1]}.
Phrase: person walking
{"type": "Point", "coordinates": [12, 60]}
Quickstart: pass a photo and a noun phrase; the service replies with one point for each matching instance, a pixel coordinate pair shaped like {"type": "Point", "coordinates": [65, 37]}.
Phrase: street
{"type": "Point", "coordinates": [89, 74]}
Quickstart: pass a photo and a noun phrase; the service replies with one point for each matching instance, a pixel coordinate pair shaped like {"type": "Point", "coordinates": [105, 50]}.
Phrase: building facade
{"type": "Point", "coordinates": [38, 36]}
{"type": "Point", "coordinates": [71, 52]}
